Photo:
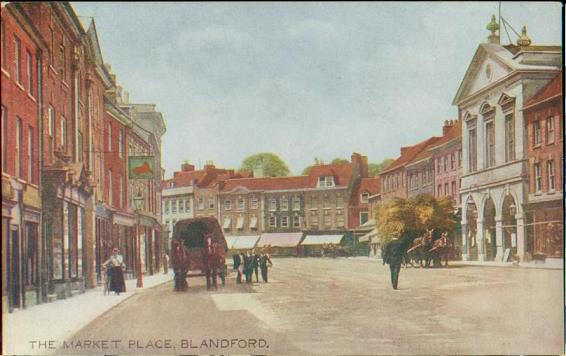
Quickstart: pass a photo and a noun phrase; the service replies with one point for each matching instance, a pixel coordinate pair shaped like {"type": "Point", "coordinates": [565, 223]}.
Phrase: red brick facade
{"type": "Point", "coordinates": [544, 209]}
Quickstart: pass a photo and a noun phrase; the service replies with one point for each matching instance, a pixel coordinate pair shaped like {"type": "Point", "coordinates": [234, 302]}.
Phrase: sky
{"type": "Point", "coordinates": [301, 80]}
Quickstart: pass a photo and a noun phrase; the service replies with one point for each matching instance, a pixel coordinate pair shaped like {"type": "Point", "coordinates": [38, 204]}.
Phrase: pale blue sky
{"type": "Point", "coordinates": [301, 80]}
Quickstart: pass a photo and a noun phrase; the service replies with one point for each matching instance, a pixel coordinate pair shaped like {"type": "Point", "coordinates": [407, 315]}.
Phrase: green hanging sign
{"type": "Point", "coordinates": [141, 167]}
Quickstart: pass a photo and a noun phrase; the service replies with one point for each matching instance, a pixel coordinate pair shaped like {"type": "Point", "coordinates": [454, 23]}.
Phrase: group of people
{"type": "Point", "coordinates": [250, 262]}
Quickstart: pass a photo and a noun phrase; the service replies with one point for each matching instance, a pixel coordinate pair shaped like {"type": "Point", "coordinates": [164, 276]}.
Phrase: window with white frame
{"type": "Point", "coordinates": [536, 133]}
{"type": "Point", "coordinates": [445, 163]}
{"type": "Point", "coordinates": [166, 203]}
{"type": "Point", "coordinates": [460, 158]}
{"type": "Point", "coordinates": [201, 203]}
{"type": "Point", "coordinates": [550, 130]}
{"type": "Point", "coordinates": [339, 200]}
{"type": "Point", "coordinates": [296, 221]}
{"type": "Point", "coordinates": [439, 190]}
{"type": "Point", "coordinates": [227, 204]}
{"type": "Point", "coordinates": [327, 220]}
{"type": "Point", "coordinates": [272, 204]}
{"type": "Point", "coordinates": [330, 181]}
{"type": "Point", "coordinates": [272, 221]}
{"type": "Point", "coordinates": [63, 132]}
{"type": "Point", "coordinates": [110, 201]}
{"type": "Point", "coordinates": [30, 154]}
{"type": "Point", "coordinates": [364, 217]}
{"type": "Point", "coordinates": [339, 220]}
{"type": "Point", "coordinates": [364, 197]}
{"type": "Point", "coordinates": [550, 172]}
{"type": "Point", "coordinates": [241, 203]}
{"type": "Point", "coordinates": [296, 203]}
{"type": "Point", "coordinates": [211, 203]}
{"type": "Point", "coordinates": [109, 138]}
{"type": "Point", "coordinates": [254, 202]}
{"type": "Point", "coordinates": [472, 150]}
{"type": "Point", "coordinates": [509, 137]}
{"type": "Point", "coordinates": [188, 205]}
{"type": "Point", "coordinates": [18, 152]}
{"type": "Point", "coordinates": [50, 120]}
{"type": "Point", "coordinates": [538, 177]}
{"type": "Point", "coordinates": [452, 161]}
{"type": "Point", "coordinates": [121, 191]}
{"type": "Point", "coordinates": [181, 205]}
{"type": "Point", "coordinates": [17, 59]}
{"type": "Point", "coordinates": [285, 221]}
{"type": "Point", "coordinates": [490, 144]}
{"type": "Point", "coordinates": [284, 203]}
{"type": "Point", "coordinates": [120, 143]}
{"type": "Point", "coordinates": [29, 67]}
{"type": "Point", "coordinates": [174, 206]}
{"type": "Point", "coordinates": [446, 189]}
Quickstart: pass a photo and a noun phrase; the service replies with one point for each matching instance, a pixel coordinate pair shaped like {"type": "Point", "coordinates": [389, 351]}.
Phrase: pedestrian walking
{"type": "Point", "coordinates": [248, 267]}
{"type": "Point", "coordinates": [264, 263]}
{"type": "Point", "coordinates": [393, 253]}
{"type": "Point", "coordinates": [242, 266]}
{"type": "Point", "coordinates": [255, 265]}
{"type": "Point", "coordinates": [236, 262]}
{"type": "Point", "coordinates": [165, 263]}
{"type": "Point", "coordinates": [114, 267]}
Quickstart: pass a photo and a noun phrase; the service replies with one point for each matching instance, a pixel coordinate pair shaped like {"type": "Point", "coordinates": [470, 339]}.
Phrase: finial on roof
{"type": "Point", "coordinates": [493, 27]}
{"type": "Point", "coordinates": [524, 40]}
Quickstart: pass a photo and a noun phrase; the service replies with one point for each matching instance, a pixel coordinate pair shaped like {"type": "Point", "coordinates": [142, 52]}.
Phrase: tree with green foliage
{"type": "Point", "coordinates": [415, 216]}
{"type": "Point", "coordinates": [272, 165]}
{"type": "Point", "coordinates": [375, 168]}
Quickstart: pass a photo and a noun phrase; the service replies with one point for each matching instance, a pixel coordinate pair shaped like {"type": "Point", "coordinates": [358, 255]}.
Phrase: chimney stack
{"type": "Point", "coordinates": [447, 126]}
{"type": "Point", "coordinates": [186, 167]}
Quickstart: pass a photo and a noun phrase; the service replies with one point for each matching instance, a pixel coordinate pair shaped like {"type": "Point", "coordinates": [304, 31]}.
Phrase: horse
{"type": "Point", "coordinates": [180, 263]}
{"type": "Point", "coordinates": [441, 250]}
{"type": "Point", "coordinates": [418, 251]}
{"type": "Point", "coordinates": [214, 261]}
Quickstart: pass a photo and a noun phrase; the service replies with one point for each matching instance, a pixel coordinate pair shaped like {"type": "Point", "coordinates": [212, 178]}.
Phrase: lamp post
{"type": "Point", "coordinates": [138, 201]}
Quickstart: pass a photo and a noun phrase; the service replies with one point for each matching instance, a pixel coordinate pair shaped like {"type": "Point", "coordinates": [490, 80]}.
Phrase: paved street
{"type": "Point", "coordinates": [325, 306]}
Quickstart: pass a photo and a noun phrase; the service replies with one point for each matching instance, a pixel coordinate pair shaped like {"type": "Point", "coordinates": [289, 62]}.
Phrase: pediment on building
{"type": "Point", "coordinates": [487, 67]}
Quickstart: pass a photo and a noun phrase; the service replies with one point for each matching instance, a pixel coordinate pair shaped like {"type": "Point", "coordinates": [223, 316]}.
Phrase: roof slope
{"type": "Point", "coordinates": [554, 87]}
{"type": "Point", "coordinates": [410, 153]}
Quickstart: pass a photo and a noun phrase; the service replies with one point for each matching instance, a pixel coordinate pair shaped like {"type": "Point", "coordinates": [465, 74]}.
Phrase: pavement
{"type": "Point", "coordinates": [23, 330]}
{"type": "Point", "coordinates": [340, 306]}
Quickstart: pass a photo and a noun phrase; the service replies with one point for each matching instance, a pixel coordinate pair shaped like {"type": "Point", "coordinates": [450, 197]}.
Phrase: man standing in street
{"type": "Point", "coordinates": [165, 263]}
{"type": "Point", "coordinates": [264, 263]}
{"type": "Point", "coordinates": [393, 253]}
{"type": "Point", "coordinates": [237, 261]}
{"type": "Point", "coordinates": [254, 266]}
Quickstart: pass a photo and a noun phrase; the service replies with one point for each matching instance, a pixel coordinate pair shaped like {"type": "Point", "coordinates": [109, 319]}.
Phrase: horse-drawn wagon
{"type": "Point", "coordinates": [199, 249]}
{"type": "Point", "coordinates": [429, 248]}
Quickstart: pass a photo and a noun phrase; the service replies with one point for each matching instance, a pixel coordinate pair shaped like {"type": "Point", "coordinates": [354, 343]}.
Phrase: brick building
{"type": "Point", "coordinates": [394, 178]}
{"type": "Point", "coordinates": [420, 171]}
{"type": "Point", "coordinates": [23, 51]}
{"type": "Point", "coordinates": [544, 207]}
{"type": "Point", "coordinates": [447, 158]}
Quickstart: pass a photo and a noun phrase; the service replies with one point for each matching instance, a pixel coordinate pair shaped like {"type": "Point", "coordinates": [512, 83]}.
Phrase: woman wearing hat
{"type": "Point", "coordinates": [114, 266]}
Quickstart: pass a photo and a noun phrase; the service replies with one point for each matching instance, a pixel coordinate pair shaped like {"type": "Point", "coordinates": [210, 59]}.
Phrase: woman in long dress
{"type": "Point", "coordinates": [114, 266]}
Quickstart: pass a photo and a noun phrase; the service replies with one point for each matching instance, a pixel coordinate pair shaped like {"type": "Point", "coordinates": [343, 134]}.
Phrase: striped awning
{"type": "Point", "coordinates": [227, 222]}
{"type": "Point", "coordinates": [230, 241]}
{"type": "Point", "coordinates": [284, 239]}
{"type": "Point", "coordinates": [322, 239]}
{"type": "Point", "coordinates": [245, 242]}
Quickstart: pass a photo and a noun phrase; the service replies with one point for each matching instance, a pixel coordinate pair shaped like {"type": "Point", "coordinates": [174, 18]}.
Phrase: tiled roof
{"type": "Point", "coordinates": [341, 172]}
{"type": "Point", "coordinates": [410, 153]}
{"type": "Point", "coordinates": [268, 183]}
{"type": "Point", "coordinates": [553, 88]}
{"type": "Point", "coordinates": [203, 178]}
{"type": "Point", "coordinates": [370, 185]}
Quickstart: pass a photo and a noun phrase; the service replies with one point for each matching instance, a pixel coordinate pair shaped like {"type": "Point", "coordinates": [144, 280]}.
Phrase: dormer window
{"type": "Point", "coordinates": [325, 181]}
{"type": "Point", "coordinates": [364, 197]}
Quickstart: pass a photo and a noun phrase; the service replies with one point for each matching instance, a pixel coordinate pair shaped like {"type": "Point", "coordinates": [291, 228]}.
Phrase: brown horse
{"type": "Point", "coordinates": [180, 263]}
{"type": "Point", "coordinates": [441, 250]}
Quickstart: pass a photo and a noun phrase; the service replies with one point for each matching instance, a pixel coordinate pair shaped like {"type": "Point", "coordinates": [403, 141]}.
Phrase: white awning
{"type": "Point", "coordinates": [240, 223]}
{"type": "Point", "coordinates": [322, 239]}
{"type": "Point", "coordinates": [284, 239]}
{"type": "Point", "coordinates": [230, 241]}
{"type": "Point", "coordinates": [227, 222]}
{"type": "Point", "coordinates": [253, 222]}
{"type": "Point", "coordinates": [370, 236]}
{"type": "Point", "coordinates": [245, 242]}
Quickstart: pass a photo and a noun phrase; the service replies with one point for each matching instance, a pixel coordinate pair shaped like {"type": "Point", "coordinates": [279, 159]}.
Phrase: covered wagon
{"type": "Point", "coordinates": [199, 249]}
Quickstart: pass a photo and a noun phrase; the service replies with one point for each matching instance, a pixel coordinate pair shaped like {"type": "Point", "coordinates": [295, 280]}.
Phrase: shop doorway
{"type": "Point", "coordinates": [15, 268]}
{"type": "Point", "coordinates": [509, 226]}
